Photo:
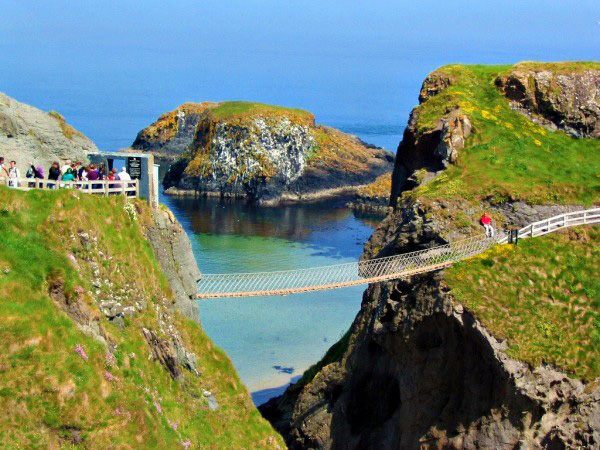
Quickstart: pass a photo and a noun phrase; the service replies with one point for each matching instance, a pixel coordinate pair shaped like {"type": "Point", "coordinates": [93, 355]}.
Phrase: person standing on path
{"type": "Point", "coordinates": [486, 221]}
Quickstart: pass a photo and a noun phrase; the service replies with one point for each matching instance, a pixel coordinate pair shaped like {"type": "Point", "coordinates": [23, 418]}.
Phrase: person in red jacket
{"type": "Point", "coordinates": [486, 221]}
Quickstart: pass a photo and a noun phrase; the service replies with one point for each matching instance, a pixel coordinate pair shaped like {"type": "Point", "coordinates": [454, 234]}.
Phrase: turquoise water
{"type": "Point", "coordinates": [272, 340]}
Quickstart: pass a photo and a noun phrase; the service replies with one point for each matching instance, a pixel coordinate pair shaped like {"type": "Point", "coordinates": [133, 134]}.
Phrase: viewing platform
{"type": "Point", "coordinates": [98, 187]}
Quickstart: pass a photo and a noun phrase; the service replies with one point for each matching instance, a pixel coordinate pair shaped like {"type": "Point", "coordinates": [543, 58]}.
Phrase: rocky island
{"type": "Point", "coordinates": [501, 350]}
{"type": "Point", "coordinates": [261, 152]}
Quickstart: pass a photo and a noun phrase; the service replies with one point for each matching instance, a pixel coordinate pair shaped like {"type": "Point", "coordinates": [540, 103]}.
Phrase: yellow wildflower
{"type": "Point", "coordinates": [487, 115]}
{"type": "Point", "coordinates": [537, 142]}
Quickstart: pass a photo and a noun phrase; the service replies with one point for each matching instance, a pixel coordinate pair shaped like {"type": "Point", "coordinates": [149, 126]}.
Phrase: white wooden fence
{"type": "Point", "coordinates": [571, 219]}
{"type": "Point", "coordinates": [98, 187]}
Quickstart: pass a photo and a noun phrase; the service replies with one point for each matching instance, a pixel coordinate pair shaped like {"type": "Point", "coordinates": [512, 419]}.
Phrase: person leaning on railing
{"type": "Point", "coordinates": [37, 173]}
{"type": "Point", "coordinates": [53, 174]}
{"type": "Point", "coordinates": [124, 176]}
{"type": "Point", "coordinates": [68, 175]}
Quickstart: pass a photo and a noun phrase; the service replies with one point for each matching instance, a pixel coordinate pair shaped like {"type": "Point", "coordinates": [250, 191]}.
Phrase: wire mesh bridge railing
{"type": "Point", "coordinates": [380, 269]}
{"type": "Point", "coordinates": [341, 275]}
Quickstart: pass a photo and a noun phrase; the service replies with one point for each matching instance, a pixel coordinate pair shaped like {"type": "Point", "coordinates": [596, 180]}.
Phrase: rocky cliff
{"type": "Point", "coordinates": [261, 152]}
{"type": "Point", "coordinates": [470, 357]}
{"type": "Point", "coordinates": [566, 98]}
{"type": "Point", "coordinates": [170, 136]}
{"type": "Point", "coordinates": [99, 349]}
{"type": "Point", "coordinates": [28, 134]}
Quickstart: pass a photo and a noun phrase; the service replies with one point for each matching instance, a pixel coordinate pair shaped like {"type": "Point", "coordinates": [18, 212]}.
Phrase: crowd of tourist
{"type": "Point", "coordinates": [69, 171]}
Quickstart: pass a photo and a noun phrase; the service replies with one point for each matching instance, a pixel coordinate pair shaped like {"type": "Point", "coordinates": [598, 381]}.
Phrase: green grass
{"type": "Point", "coordinates": [508, 156]}
{"type": "Point", "coordinates": [49, 394]}
{"type": "Point", "coordinates": [542, 296]}
{"type": "Point", "coordinates": [240, 110]}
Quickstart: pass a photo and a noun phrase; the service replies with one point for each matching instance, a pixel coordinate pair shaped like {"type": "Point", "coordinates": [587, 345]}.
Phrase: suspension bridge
{"type": "Point", "coordinates": [285, 282]}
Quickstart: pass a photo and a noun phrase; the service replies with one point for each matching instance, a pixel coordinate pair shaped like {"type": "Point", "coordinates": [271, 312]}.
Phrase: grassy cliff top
{"type": "Point", "coordinates": [542, 296]}
{"type": "Point", "coordinates": [54, 396]}
{"type": "Point", "coordinates": [239, 110]}
{"type": "Point", "coordinates": [508, 155]}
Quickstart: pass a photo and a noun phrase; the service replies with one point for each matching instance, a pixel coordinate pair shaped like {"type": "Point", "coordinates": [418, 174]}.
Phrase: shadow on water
{"type": "Point", "coordinates": [264, 395]}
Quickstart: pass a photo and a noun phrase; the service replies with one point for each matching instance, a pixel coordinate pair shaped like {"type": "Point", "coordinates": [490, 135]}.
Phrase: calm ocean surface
{"type": "Point", "coordinates": [272, 340]}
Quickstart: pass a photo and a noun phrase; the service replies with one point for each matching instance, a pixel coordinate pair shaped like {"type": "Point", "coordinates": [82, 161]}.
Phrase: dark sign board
{"type": "Point", "coordinates": [134, 167]}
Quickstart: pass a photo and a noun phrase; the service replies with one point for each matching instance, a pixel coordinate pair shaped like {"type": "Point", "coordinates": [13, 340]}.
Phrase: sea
{"type": "Point", "coordinates": [110, 98]}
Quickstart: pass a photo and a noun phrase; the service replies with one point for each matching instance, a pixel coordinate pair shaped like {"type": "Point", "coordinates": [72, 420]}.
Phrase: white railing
{"type": "Point", "coordinates": [98, 187]}
{"type": "Point", "coordinates": [571, 219]}
{"type": "Point", "coordinates": [373, 270]}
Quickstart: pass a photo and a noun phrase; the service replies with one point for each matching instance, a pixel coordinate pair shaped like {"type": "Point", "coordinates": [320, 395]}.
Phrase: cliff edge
{"type": "Point", "coordinates": [501, 350]}
{"type": "Point", "coordinates": [102, 343]}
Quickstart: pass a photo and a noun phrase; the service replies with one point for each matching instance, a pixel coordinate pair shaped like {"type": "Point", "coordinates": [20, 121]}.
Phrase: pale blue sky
{"type": "Point", "coordinates": [356, 64]}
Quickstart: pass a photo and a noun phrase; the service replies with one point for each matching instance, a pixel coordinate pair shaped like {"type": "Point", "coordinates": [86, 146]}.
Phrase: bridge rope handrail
{"type": "Point", "coordinates": [283, 282]}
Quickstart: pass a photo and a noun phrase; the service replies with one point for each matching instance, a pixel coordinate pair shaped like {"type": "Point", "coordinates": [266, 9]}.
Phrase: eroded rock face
{"type": "Point", "coordinates": [567, 100]}
{"type": "Point", "coordinates": [172, 133]}
{"type": "Point", "coordinates": [421, 371]}
{"type": "Point", "coordinates": [433, 84]}
{"type": "Point", "coordinates": [433, 150]}
{"type": "Point", "coordinates": [28, 134]}
{"type": "Point", "coordinates": [253, 159]}
{"type": "Point", "coordinates": [173, 251]}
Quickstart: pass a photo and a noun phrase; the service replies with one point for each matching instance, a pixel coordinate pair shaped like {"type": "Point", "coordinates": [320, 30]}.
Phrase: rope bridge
{"type": "Point", "coordinates": [370, 271]}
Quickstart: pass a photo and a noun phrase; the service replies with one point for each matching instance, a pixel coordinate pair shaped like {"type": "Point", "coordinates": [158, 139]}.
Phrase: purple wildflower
{"type": "Point", "coordinates": [186, 444]}
{"type": "Point", "coordinates": [110, 377]}
{"type": "Point", "coordinates": [122, 412]}
{"type": "Point", "coordinates": [157, 406]}
{"type": "Point", "coordinates": [79, 290]}
{"type": "Point", "coordinates": [110, 359]}
{"type": "Point", "coordinates": [174, 425]}
{"type": "Point", "coordinates": [79, 349]}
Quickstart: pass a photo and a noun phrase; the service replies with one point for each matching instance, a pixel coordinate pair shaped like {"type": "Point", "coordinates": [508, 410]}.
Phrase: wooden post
{"type": "Point", "coordinates": [137, 188]}
{"type": "Point", "coordinates": [105, 183]}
